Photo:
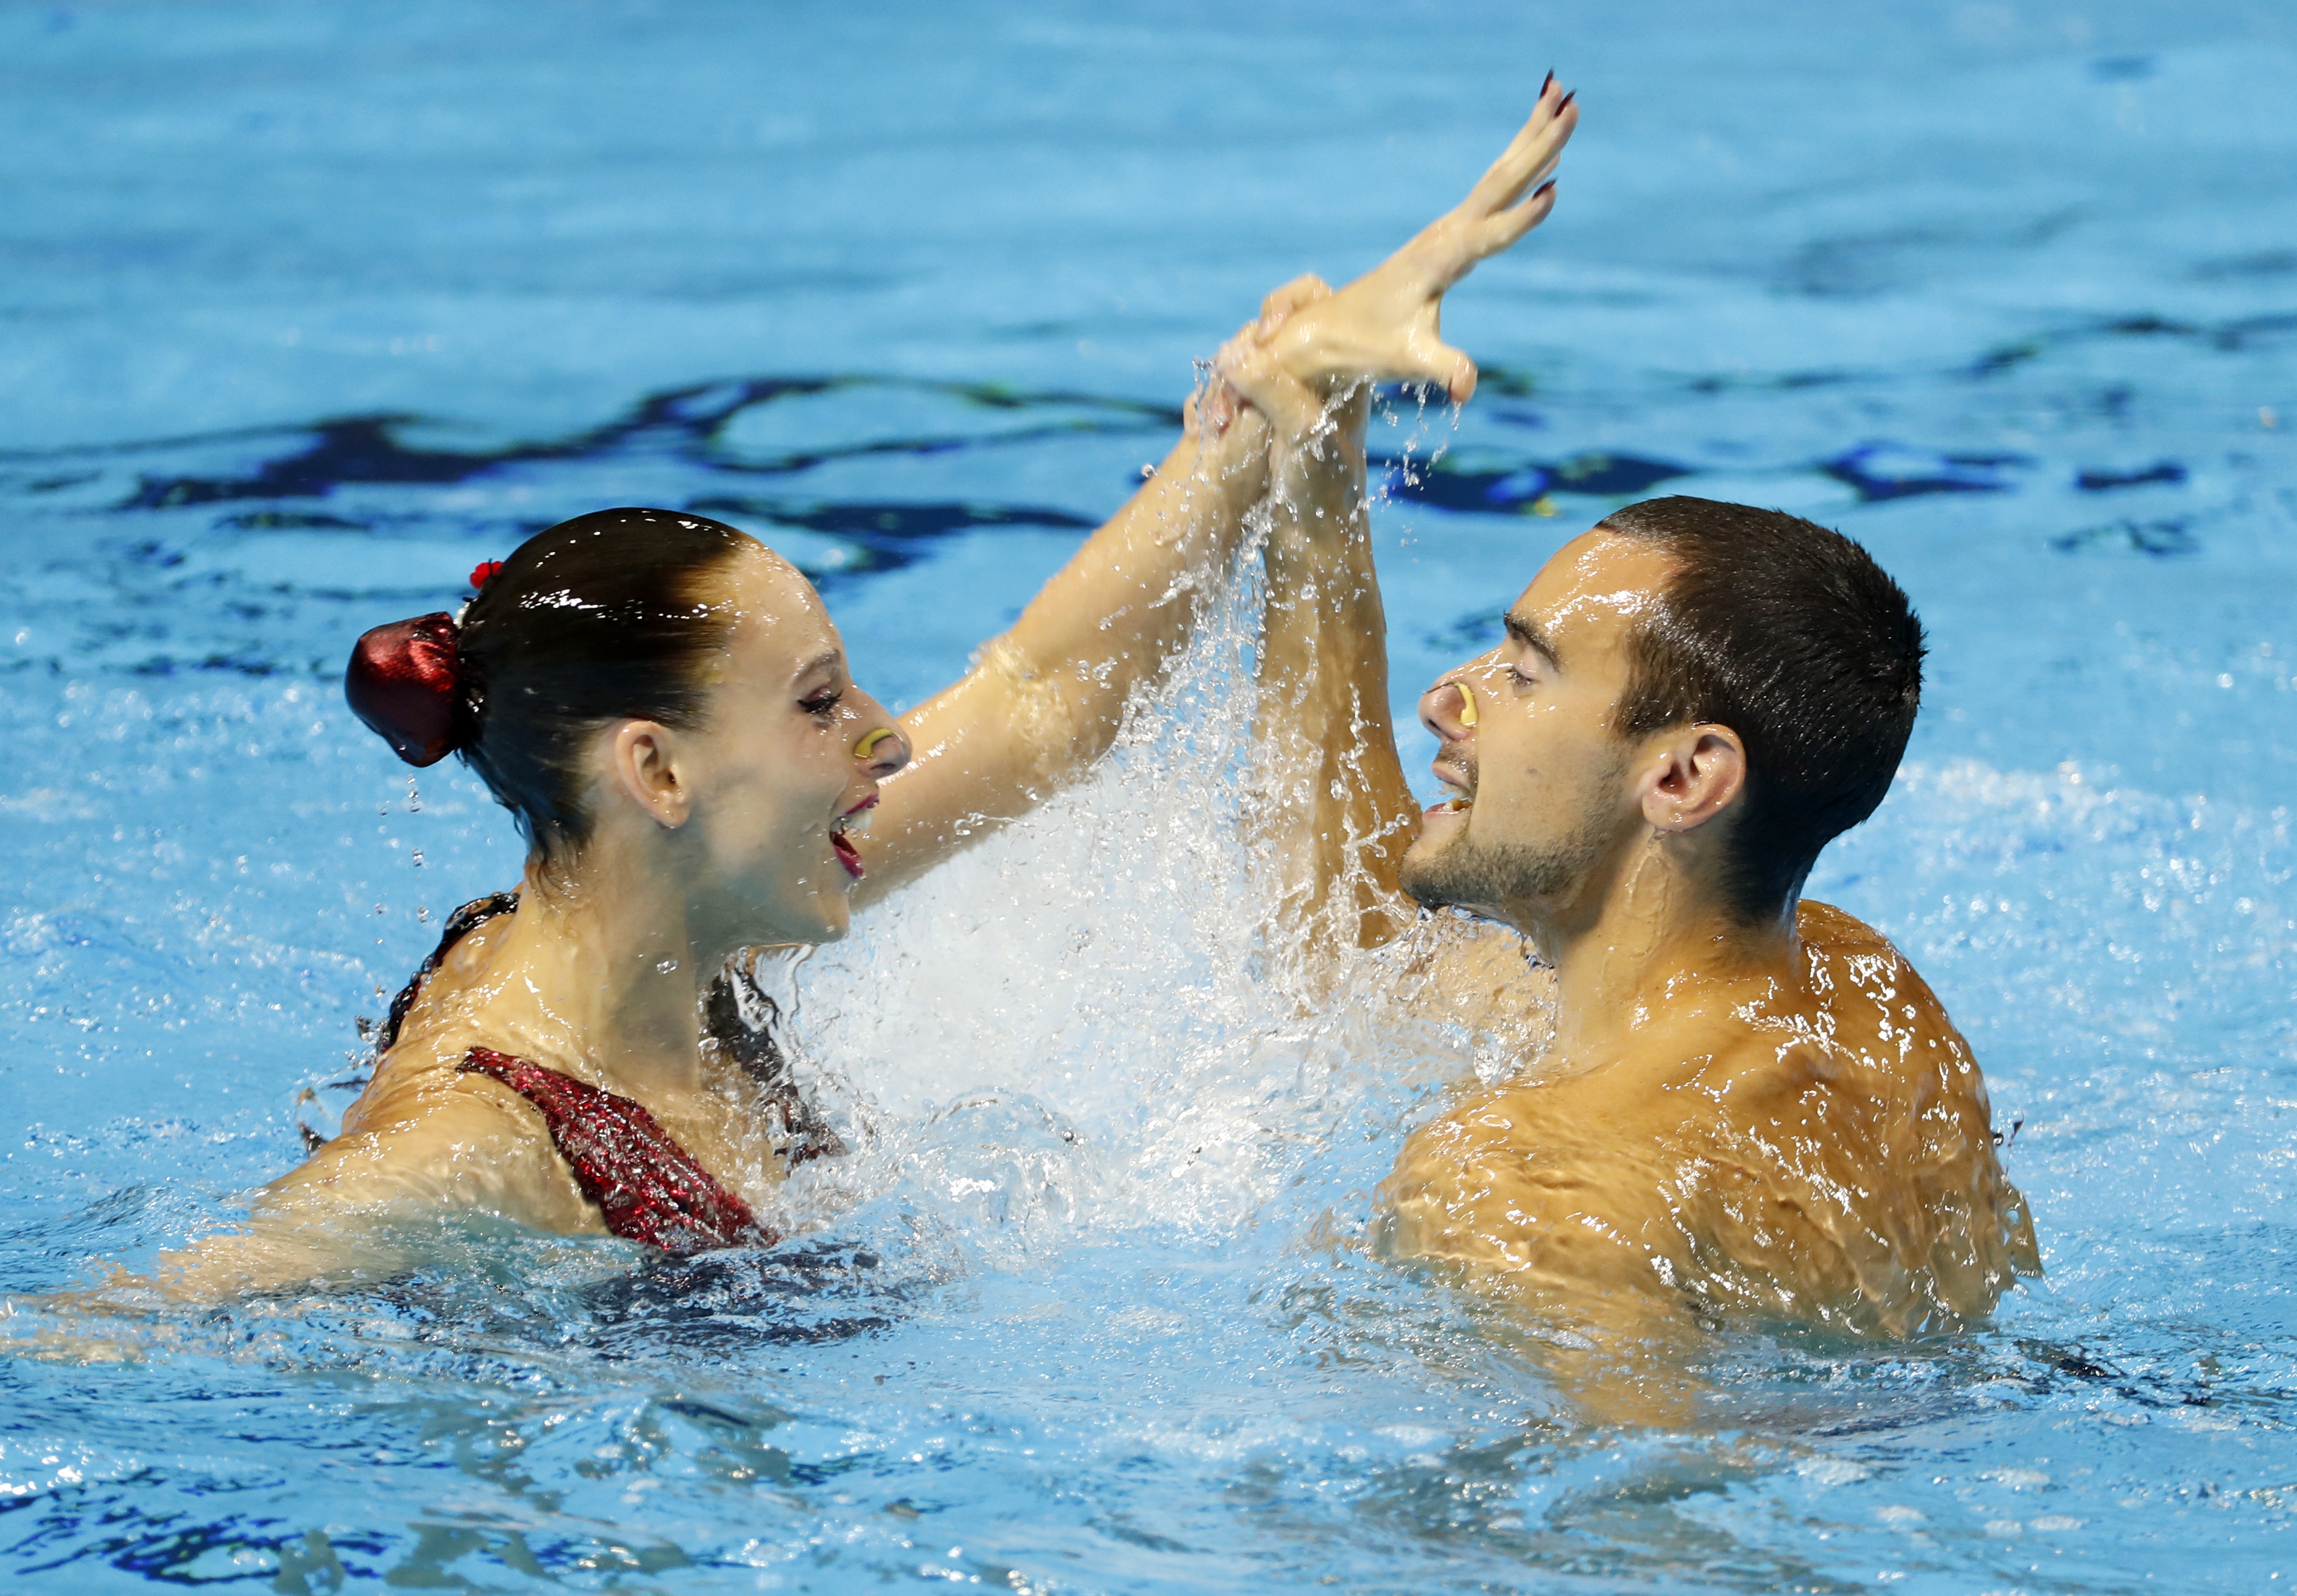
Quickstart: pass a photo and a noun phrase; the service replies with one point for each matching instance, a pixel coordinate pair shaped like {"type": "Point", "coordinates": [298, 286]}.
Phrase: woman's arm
{"type": "Point", "coordinates": [350, 1213]}
{"type": "Point", "coordinates": [1045, 700]}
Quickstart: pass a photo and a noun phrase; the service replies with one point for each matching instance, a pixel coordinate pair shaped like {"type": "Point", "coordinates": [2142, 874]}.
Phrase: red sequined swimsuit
{"type": "Point", "coordinates": [648, 1187]}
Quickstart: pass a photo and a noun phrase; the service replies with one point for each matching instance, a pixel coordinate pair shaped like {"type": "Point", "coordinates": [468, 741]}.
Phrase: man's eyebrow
{"type": "Point", "coordinates": [1525, 631]}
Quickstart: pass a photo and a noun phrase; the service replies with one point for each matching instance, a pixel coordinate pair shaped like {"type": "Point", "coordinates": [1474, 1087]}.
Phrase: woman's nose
{"type": "Point", "coordinates": [1448, 708]}
{"type": "Point", "coordinates": [882, 751]}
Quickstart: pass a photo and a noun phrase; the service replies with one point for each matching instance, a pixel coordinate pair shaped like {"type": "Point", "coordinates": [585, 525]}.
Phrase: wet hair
{"type": "Point", "coordinates": [602, 618]}
{"type": "Point", "coordinates": [1792, 636]}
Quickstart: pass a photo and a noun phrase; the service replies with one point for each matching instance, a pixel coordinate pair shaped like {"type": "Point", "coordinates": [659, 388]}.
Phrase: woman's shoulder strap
{"type": "Point", "coordinates": [459, 924]}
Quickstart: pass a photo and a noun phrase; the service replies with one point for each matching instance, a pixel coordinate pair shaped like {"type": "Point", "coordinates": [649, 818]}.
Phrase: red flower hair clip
{"type": "Point", "coordinates": [484, 572]}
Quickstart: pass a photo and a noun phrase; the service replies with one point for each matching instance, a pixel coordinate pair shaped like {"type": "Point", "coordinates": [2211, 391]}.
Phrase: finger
{"type": "Point", "coordinates": [1533, 151]}
{"type": "Point", "coordinates": [1437, 364]}
{"type": "Point", "coordinates": [1503, 231]}
{"type": "Point", "coordinates": [1525, 164]}
{"type": "Point", "coordinates": [1217, 410]}
{"type": "Point", "coordinates": [1260, 380]}
{"type": "Point", "coordinates": [1461, 386]}
{"type": "Point", "coordinates": [1283, 301]}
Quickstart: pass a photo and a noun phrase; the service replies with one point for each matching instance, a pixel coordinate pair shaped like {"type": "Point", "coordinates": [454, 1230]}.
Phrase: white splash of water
{"type": "Point", "coordinates": [1081, 1022]}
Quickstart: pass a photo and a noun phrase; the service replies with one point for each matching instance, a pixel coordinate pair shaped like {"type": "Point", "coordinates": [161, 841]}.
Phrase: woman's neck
{"type": "Point", "coordinates": [602, 967]}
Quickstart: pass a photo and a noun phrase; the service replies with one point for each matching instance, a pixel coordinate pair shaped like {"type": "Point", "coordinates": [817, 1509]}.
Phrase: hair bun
{"type": "Point", "coordinates": [402, 682]}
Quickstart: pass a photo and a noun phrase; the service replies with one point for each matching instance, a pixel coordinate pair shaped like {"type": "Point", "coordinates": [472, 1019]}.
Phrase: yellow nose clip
{"type": "Point", "coordinates": [862, 749]}
{"type": "Point", "coordinates": [1467, 703]}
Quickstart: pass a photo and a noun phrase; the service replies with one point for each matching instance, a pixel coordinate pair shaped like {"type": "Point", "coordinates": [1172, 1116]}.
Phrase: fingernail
{"type": "Point", "coordinates": [1547, 187]}
{"type": "Point", "coordinates": [1567, 100]}
{"type": "Point", "coordinates": [1546, 83]}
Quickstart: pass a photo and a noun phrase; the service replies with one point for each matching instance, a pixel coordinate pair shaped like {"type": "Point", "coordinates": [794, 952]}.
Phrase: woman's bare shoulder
{"type": "Point", "coordinates": [463, 1141]}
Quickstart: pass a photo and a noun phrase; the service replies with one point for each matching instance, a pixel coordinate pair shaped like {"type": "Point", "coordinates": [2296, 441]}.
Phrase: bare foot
{"type": "Point", "coordinates": [1386, 325]}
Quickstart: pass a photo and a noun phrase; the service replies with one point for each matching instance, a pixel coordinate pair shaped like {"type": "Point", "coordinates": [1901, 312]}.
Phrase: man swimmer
{"type": "Point", "coordinates": [1746, 1106]}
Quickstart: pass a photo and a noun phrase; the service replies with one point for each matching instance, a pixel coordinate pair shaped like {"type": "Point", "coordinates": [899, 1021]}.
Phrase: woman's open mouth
{"type": "Point", "coordinates": [847, 853]}
{"type": "Point", "coordinates": [853, 821]}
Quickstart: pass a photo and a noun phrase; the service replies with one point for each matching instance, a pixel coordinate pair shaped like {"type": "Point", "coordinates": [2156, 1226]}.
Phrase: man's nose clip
{"type": "Point", "coordinates": [1467, 703]}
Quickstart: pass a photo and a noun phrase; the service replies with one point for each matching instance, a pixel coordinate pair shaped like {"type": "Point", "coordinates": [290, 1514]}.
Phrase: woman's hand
{"type": "Point", "coordinates": [1385, 326]}
{"type": "Point", "coordinates": [1249, 371]}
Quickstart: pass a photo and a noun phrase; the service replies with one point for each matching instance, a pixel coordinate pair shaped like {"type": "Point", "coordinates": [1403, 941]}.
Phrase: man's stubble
{"type": "Point", "coordinates": [1501, 876]}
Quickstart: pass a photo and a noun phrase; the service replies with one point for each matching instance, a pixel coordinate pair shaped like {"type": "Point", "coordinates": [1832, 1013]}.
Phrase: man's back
{"type": "Point", "coordinates": [1809, 1144]}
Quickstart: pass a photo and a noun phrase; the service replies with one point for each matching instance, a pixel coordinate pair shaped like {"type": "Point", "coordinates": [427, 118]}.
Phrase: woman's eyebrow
{"type": "Point", "coordinates": [827, 659]}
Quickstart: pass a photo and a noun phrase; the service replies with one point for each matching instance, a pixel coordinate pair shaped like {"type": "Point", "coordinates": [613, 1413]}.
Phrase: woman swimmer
{"type": "Point", "coordinates": [664, 705]}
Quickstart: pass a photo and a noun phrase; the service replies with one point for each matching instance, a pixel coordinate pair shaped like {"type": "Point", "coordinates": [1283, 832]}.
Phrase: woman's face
{"type": "Point", "coordinates": [781, 767]}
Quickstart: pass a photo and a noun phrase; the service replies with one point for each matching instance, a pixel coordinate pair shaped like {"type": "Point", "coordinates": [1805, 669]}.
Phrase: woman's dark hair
{"type": "Point", "coordinates": [602, 618]}
{"type": "Point", "coordinates": [1792, 636]}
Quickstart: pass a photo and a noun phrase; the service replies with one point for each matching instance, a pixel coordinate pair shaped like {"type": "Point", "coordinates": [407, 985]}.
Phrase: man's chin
{"type": "Point", "coordinates": [1503, 882]}
{"type": "Point", "coordinates": [1430, 872]}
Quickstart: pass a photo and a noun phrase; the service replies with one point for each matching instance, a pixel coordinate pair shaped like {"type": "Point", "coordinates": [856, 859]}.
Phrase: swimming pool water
{"type": "Point", "coordinates": [307, 308]}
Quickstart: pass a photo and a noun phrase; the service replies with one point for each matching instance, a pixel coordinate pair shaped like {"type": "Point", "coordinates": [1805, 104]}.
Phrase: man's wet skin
{"type": "Point", "coordinates": [1775, 1120]}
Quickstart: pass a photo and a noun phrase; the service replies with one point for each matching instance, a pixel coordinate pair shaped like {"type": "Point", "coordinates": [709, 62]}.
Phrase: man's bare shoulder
{"type": "Point", "coordinates": [1822, 925]}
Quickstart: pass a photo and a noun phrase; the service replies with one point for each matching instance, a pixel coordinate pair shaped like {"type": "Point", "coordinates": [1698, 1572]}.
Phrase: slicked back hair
{"type": "Point", "coordinates": [1792, 636]}
{"type": "Point", "coordinates": [598, 619]}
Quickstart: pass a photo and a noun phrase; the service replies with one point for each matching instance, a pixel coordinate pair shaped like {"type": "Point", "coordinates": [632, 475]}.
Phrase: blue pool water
{"type": "Point", "coordinates": [306, 308]}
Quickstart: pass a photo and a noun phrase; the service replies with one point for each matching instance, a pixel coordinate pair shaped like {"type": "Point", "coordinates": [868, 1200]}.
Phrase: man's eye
{"type": "Point", "coordinates": [1516, 677]}
{"type": "Point", "coordinates": [820, 703]}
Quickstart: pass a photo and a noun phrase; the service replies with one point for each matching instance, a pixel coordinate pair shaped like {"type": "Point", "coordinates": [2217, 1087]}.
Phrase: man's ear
{"type": "Point", "coordinates": [1691, 775]}
{"type": "Point", "coordinates": [642, 764]}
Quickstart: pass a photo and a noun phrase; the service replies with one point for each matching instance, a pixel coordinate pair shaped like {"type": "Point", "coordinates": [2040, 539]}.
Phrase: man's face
{"type": "Point", "coordinates": [1543, 802]}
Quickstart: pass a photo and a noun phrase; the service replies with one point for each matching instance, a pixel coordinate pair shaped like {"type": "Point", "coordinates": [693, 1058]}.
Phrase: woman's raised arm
{"type": "Point", "coordinates": [1044, 700]}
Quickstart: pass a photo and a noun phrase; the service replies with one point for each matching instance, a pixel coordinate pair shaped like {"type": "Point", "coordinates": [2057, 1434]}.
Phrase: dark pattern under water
{"type": "Point", "coordinates": [176, 542]}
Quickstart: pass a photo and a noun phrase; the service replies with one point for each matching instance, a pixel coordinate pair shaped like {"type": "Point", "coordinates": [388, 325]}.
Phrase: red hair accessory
{"type": "Point", "coordinates": [401, 681]}
{"type": "Point", "coordinates": [484, 572]}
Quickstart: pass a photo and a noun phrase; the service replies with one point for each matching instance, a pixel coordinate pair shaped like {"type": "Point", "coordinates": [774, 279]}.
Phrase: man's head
{"type": "Point", "coordinates": [1736, 685]}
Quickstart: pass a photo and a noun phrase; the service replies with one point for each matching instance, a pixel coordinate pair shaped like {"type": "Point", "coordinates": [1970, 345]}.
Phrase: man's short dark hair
{"type": "Point", "coordinates": [1793, 637]}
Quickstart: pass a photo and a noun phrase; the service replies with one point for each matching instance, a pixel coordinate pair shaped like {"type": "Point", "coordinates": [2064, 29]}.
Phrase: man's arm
{"type": "Point", "coordinates": [1334, 811]}
{"type": "Point", "coordinates": [1045, 700]}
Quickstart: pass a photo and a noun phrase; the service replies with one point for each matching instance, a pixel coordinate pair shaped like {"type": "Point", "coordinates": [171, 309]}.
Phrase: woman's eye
{"type": "Point", "coordinates": [820, 703]}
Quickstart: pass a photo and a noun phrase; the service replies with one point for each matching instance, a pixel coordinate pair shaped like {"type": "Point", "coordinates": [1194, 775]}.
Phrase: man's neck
{"type": "Point", "coordinates": [1655, 945]}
